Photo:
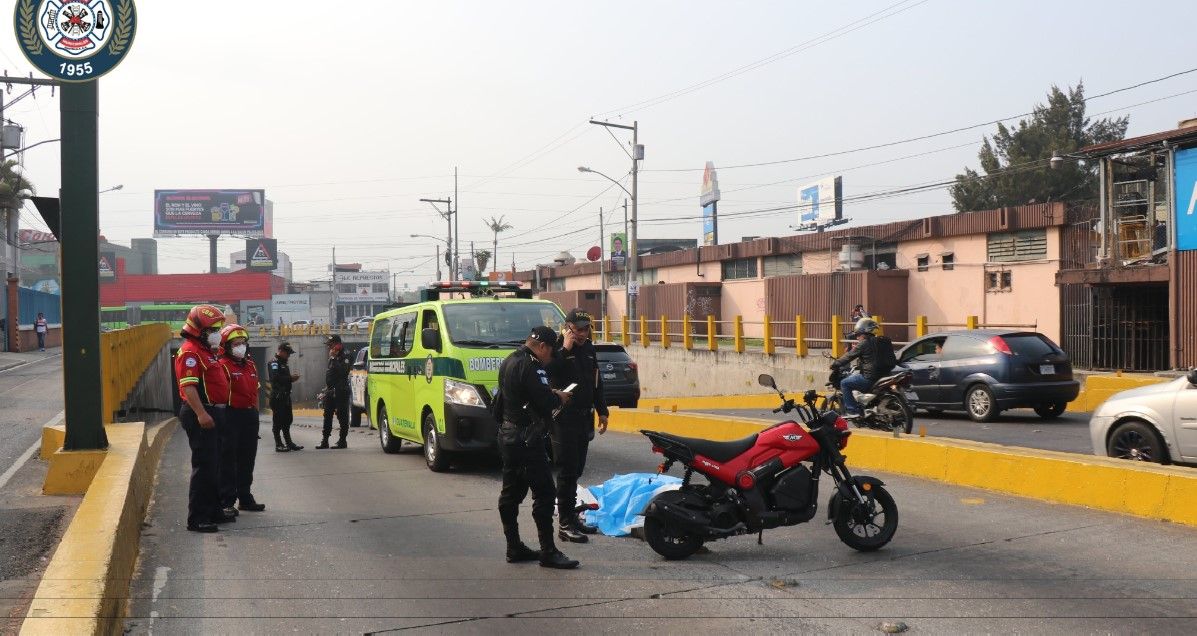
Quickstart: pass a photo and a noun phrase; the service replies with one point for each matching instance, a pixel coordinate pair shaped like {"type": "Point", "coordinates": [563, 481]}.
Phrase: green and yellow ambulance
{"type": "Point", "coordinates": [433, 367]}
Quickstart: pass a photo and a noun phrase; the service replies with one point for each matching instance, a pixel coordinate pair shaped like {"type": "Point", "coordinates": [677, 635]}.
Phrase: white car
{"type": "Point", "coordinates": [362, 323]}
{"type": "Point", "coordinates": [1156, 423]}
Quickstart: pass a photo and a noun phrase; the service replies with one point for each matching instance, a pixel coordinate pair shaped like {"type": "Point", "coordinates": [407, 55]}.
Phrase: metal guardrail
{"type": "Point", "coordinates": [125, 355]}
{"type": "Point", "coordinates": [661, 331]}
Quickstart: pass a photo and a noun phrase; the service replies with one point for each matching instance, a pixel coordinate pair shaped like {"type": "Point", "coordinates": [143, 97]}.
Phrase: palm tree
{"type": "Point", "coordinates": [481, 257]}
{"type": "Point", "coordinates": [14, 187]}
{"type": "Point", "coordinates": [496, 226]}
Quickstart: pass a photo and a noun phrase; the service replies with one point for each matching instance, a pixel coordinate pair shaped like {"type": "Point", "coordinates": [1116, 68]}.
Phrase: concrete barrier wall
{"type": "Point", "coordinates": [675, 372]}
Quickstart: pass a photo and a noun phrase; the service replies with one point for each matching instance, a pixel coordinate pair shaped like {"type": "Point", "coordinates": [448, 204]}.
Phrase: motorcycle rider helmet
{"type": "Point", "coordinates": [865, 326]}
{"type": "Point", "coordinates": [202, 318]}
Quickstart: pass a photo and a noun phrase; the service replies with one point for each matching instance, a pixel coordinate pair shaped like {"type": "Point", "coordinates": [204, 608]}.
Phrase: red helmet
{"type": "Point", "coordinates": [202, 318]}
{"type": "Point", "coordinates": [232, 331]}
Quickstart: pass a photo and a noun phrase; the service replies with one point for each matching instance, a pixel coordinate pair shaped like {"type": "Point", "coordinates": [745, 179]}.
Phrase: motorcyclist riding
{"type": "Point", "coordinates": [876, 359]}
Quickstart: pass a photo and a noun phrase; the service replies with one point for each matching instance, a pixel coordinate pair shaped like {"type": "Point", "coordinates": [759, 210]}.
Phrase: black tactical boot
{"type": "Point", "coordinates": [287, 436]}
{"type": "Point", "coordinates": [519, 553]}
{"type": "Point", "coordinates": [585, 528]}
{"type": "Point", "coordinates": [554, 559]}
{"type": "Point", "coordinates": [569, 532]}
{"type": "Point", "coordinates": [281, 448]}
{"type": "Point", "coordinates": [323, 443]}
{"type": "Point", "coordinates": [251, 505]}
{"type": "Point", "coordinates": [341, 444]}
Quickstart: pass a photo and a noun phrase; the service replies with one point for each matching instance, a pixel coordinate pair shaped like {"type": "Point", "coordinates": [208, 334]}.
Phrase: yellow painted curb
{"type": "Point", "coordinates": [86, 583]}
{"type": "Point", "coordinates": [307, 412]}
{"type": "Point", "coordinates": [1099, 388]}
{"type": "Point", "coordinates": [71, 472]}
{"type": "Point", "coordinates": [1103, 483]}
{"type": "Point", "coordinates": [53, 436]}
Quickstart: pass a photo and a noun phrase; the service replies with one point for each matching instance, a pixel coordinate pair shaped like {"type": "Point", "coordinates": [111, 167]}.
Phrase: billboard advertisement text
{"type": "Point", "coordinates": [288, 308]}
{"type": "Point", "coordinates": [821, 201]}
{"type": "Point", "coordinates": [183, 212]}
{"type": "Point", "coordinates": [363, 287]}
{"type": "Point", "coordinates": [618, 253]}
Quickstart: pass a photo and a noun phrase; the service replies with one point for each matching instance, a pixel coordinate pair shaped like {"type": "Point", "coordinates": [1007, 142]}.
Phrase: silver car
{"type": "Point", "coordinates": [1156, 423]}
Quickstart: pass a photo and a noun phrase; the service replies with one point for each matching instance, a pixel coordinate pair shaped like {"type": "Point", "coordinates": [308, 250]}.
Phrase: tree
{"type": "Point", "coordinates": [14, 187]}
{"type": "Point", "coordinates": [496, 226]}
{"type": "Point", "coordinates": [1015, 159]}
{"type": "Point", "coordinates": [482, 258]}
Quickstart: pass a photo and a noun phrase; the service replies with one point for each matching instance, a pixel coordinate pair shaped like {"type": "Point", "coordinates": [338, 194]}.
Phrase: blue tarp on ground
{"type": "Point", "coordinates": [622, 498]}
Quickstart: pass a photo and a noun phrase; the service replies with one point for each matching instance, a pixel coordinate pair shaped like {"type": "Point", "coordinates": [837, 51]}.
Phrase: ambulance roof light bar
{"type": "Point", "coordinates": [474, 287]}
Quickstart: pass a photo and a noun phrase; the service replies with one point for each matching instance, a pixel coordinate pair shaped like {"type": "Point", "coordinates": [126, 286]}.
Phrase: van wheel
{"type": "Point", "coordinates": [436, 458]}
{"type": "Point", "coordinates": [980, 404]}
{"type": "Point", "coordinates": [390, 443]}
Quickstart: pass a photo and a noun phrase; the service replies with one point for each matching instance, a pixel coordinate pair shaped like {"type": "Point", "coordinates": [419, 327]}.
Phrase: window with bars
{"type": "Point", "coordinates": [948, 260]}
{"type": "Point", "coordinates": [739, 268]}
{"type": "Point", "coordinates": [1026, 245]}
{"type": "Point", "coordinates": [782, 265]}
{"type": "Point", "coordinates": [924, 262]}
{"type": "Point", "coordinates": [998, 281]}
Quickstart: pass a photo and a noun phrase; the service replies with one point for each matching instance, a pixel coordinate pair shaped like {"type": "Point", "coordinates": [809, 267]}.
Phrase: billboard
{"type": "Point", "coordinates": [363, 287]}
{"type": "Point", "coordinates": [287, 308]}
{"type": "Point", "coordinates": [618, 253]}
{"type": "Point", "coordinates": [821, 201]}
{"type": "Point", "coordinates": [107, 267]}
{"type": "Point", "coordinates": [708, 198]}
{"type": "Point", "coordinates": [261, 254]}
{"type": "Point", "coordinates": [1186, 199]}
{"type": "Point", "coordinates": [255, 313]}
{"type": "Point", "coordinates": [184, 212]}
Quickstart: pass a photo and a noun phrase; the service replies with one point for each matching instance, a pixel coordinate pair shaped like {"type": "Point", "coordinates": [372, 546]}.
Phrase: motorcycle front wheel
{"type": "Point", "coordinates": [868, 526]}
{"type": "Point", "coordinates": [671, 543]}
{"type": "Point", "coordinates": [897, 412]}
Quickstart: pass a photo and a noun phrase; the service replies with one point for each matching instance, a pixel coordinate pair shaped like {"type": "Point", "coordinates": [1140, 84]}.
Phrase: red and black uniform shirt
{"type": "Point", "coordinates": [243, 376]}
{"type": "Point", "coordinates": [198, 366]}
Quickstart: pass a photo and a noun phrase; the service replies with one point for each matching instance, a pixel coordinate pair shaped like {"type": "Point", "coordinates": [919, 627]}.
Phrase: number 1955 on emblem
{"type": "Point", "coordinates": [76, 40]}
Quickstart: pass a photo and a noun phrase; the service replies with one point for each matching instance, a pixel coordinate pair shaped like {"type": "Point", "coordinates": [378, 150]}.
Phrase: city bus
{"type": "Point", "coordinates": [112, 318]}
{"type": "Point", "coordinates": [174, 314]}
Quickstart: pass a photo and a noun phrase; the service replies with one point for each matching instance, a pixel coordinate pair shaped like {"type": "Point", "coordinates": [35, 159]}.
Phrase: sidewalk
{"type": "Point", "coordinates": [10, 360]}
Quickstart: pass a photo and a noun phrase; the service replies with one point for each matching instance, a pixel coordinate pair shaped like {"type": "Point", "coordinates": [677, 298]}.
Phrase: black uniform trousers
{"type": "Point", "coordinates": [337, 401]}
{"type": "Point", "coordinates": [571, 435]}
{"type": "Point", "coordinates": [281, 418]}
{"type": "Point", "coordinates": [525, 467]}
{"type": "Point", "coordinates": [238, 452]}
{"type": "Point", "coordinates": [203, 496]}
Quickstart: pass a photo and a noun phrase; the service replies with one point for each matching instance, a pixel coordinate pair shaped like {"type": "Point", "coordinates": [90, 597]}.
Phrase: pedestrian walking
{"type": "Point", "coordinates": [524, 407]}
{"type": "Point", "coordinates": [281, 417]}
{"type": "Point", "coordinates": [575, 361]}
{"type": "Point", "coordinates": [204, 389]}
{"type": "Point", "coordinates": [239, 441]}
{"type": "Point", "coordinates": [41, 327]}
{"type": "Point", "coordinates": [336, 392]}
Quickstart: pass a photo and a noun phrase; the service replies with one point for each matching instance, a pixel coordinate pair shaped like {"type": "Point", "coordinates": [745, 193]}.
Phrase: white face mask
{"type": "Point", "coordinates": [239, 351]}
{"type": "Point", "coordinates": [214, 339]}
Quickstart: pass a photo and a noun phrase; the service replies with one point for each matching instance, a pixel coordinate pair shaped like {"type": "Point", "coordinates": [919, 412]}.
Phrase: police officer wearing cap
{"type": "Point", "coordinates": [336, 391]}
{"type": "Point", "coordinates": [204, 389]}
{"type": "Point", "coordinates": [239, 442]}
{"type": "Point", "coordinates": [575, 362]}
{"type": "Point", "coordinates": [281, 379]}
{"type": "Point", "coordinates": [525, 402]}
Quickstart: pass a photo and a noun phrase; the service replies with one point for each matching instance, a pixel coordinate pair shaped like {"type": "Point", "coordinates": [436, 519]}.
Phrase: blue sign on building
{"type": "Point", "coordinates": [1186, 199]}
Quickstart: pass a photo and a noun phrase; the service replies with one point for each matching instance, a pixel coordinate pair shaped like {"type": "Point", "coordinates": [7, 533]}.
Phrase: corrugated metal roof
{"type": "Point", "coordinates": [1114, 147]}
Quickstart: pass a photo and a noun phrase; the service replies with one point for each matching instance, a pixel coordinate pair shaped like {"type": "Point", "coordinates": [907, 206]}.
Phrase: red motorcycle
{"type": "Point", "coordinates": [762, 482]}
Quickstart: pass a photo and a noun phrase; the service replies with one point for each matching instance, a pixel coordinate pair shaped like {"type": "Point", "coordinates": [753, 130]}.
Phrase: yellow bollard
{"type": "Point", "coordinates": [880, 326]}
{"type": "Point", "coordinates": [664, 332]}
{"type": "Point", "coordinates": [712, 334]}
{"type": "Point", "coordinates": [687, 336]}
{"type": "Point", "coordinates": [768, 336]}
{"type": "Point", "coordinates": [799, 337]}
{"type": "Point", "coordinates": [837, 345]}
{"type": "Point", "coordinates": [607, 328]}
{"type": "Point", "coordinates": [920, 326]}
{"type": "Point", "coordinates": [970, 322]}
{"type": "Point", "coordinates": [644, 332]}
{"type": "Point", "coordinates": [625, 336]}
{"type": "Point", "coordinates": [739, 334]}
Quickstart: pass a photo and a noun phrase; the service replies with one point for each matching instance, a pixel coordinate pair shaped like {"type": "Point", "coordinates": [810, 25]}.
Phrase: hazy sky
{"type": "Point", "coordinates": [348, 113]}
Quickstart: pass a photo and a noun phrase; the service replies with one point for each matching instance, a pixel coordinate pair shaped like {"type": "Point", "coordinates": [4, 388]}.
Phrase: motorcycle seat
{"type": "Point", "coordinates": [888, 378]}
{"type": "Point", "coordinates": [718, 451]}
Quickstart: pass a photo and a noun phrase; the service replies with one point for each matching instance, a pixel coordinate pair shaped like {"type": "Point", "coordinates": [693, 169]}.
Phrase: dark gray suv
{"type": "Point", "coordinates": [986, 371]}
{"type": "Point", "coordinates": [621, 379]}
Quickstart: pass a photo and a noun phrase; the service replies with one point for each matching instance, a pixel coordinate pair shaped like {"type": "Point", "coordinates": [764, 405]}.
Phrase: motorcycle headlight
{"type": "Point", "coordinates": [462, 393]}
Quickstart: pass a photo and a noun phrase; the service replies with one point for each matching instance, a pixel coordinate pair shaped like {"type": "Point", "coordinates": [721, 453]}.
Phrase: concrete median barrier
{"type": "Point", "coordinates": [86, 584]}
{"type": "Point", "coordinates": [1145, 490]}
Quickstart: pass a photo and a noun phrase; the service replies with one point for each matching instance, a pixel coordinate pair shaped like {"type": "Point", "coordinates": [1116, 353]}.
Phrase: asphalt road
{"type": "Point", "coordinates": [30, 523]}
{"type": "Point", "coordinates": [357, 541]}
{"type": "Point", "coordinates": [1019, 427]}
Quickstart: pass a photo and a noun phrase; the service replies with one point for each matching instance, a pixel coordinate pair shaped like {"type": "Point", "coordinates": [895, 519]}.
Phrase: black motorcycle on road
{"type": "Point", "coordinates": [886, 406]}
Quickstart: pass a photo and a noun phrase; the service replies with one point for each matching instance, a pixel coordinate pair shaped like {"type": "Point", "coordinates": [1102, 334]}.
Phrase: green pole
{"type": "Point", "coordinates": [80, 229]}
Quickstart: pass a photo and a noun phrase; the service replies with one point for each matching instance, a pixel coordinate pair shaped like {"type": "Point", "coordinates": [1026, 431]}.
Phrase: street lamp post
{"type": "Point", "coordinates": [637, 156]}
{"type": "Point", "coordinates": [628, 297]}
{"type": "Point", "coordinates": [449, 217]}
{"type": "Point", "coordinates": [448, 246]}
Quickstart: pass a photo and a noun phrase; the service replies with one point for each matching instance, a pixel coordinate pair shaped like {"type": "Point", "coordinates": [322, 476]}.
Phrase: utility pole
{"type": "Point", "coordinates": [637, 156]}
{"type": "Point", "coordinates": [437, 246]}
{"type": "Point", "coordinates": [449, 216]}
{"type": "Point", "coordinates": [456, 225]}
{"type": "Point", "coordinates": [474, 258]}
{"type": "Point", "coordinates": [602, 269]}
{"type": "Point", "coordinates": [332, 308]}
{"type": "Point", "coordinates": [627, 298]}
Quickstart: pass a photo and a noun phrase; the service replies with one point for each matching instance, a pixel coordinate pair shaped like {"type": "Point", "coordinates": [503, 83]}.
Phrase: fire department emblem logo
{"type": "Point", "coordinates": [429, 369]}
{"type": "Point", "coordinates": [75, 40]}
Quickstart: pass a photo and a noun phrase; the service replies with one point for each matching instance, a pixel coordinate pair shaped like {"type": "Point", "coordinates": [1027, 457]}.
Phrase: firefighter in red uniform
{"type": "Point", "coordinates": [204, 388]}
{"type": "Point", "coordinates": [239, 441]}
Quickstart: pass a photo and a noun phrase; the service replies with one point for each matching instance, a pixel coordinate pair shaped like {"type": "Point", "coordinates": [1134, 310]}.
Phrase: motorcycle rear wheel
{"type": "Point", "coordinates": [668, 542]}
{"type": "Point", "coordinates": [857, 525]}
{"type": "Point", "coordinates": [893, 405]}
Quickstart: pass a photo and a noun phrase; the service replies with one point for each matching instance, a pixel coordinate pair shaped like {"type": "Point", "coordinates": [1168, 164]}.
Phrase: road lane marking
{"type": "Point", "coordinates": [12, 470]}
{"type": "Point", "coordinates": [25, 364]}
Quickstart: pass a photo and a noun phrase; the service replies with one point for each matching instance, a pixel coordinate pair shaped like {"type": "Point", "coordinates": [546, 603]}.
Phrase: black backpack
{"type": "Point", "coordinates": [886, 359]}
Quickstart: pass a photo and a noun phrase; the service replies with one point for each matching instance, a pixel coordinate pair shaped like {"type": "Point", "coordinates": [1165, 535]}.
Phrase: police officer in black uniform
{"type": "Point", "coordinates": [281, 379]}
{"type": "Point", "coordinates": [336, 391]}
{"type": "Point", "coordinates": [575, 362]}
{"type": "Point", "coordinates": [526, 402]}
